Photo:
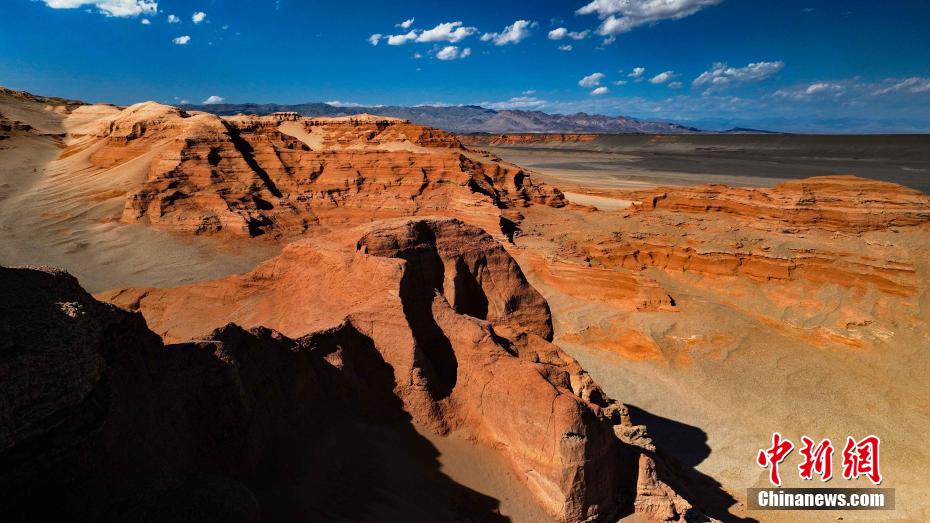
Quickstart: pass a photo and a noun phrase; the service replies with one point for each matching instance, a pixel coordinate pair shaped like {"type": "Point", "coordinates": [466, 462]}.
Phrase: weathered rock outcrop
{"type": "Point", "coordinates": [282, 175]}
{"type": "Point", "coordinates": [451, 313]}
{"type": "Point", "coordinates": [843, 269]}
{"type": "Point", "coordinates": [9, 128]}
{"type": "Point", "coordinates": [834, 203]}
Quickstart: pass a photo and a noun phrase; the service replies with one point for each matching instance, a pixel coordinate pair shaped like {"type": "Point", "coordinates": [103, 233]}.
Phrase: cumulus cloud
{"type": "Point", "coordinates": [566, 47]}
{"type": "Point", "coordinates": [182, 40]}
{"type": "Point", "coordinates": [402, 39]}
{"type": "Point", "coordinates": [676, 85]}
{"type": "Point", "coordinates": [662, 77]}
{"type": "Point", "coordinates": [591, 80]}
{"type": "Point", "coordinates": [173, 19]}
{"type": "Point", "coordinates": [512, 34]}
{"type": "Point", "coordinates": [452, 32]}
{"type": "Point", "coordinates": [198, 17]}
{"type": "Point", "coordinates": [213, 100]}
{"type": "Point", "coordinates": [558, 33]}
{"type": "Point", "coordinates": [561, 32]}
{"type": "Point", "coordinates": [117, 8]}
{"type": "Point", "coordinates": [621, 16]}
{"type": "Point", "coordinates": [909, 85]}
{"type": "Point", "coordinates": [637, 72]}
{"type": "Point", "coordinates": [146, 21]}
{"type": "Point", "coordinates": [447, 32]}
{"type": "Point", "coordinates": [720, 76]}
{"type": "Point", "coordinates": [374, 39]}
{"type": "Point", "coordinates": [599, 91]}
{"type": "Point", "coordinates": [452, 52]}
{"type": "Point", "coordinates": [519, 102]}
{"type": "Point", "coordinates": [406, 23]}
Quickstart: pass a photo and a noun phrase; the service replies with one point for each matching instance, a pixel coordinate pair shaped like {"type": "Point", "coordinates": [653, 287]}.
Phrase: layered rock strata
{"type": "Point", "coordinates": [281, 175]}
{"type": "Point", "coordinates": [466, 336]}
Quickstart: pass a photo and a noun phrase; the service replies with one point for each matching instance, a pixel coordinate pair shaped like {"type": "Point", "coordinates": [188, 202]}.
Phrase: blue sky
{"type": "Point", "coordinates": [808, 66]}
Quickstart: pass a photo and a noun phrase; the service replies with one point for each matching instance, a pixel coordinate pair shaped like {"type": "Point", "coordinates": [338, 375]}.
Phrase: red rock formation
{"type": "Point", "coordinates": [282, 175]}
{"type": "Point", "coordinates": [452, 315]}
{"type": "Point", "coordinates": [833, 203]}
{"type": "Point", "coordinates": [847, 270]}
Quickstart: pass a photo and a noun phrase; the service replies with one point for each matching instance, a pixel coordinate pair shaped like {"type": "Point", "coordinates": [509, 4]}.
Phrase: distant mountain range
{"type": "Point", "coordinates": [468, 118]}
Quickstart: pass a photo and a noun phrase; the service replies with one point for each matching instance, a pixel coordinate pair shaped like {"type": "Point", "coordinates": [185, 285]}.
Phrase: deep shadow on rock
{"type": "Point", "coordinates": [686, 443]}
{"type": "Point", "coordinates": [101, 422]}
{"type": "Point", "coordinates": [679, 448]}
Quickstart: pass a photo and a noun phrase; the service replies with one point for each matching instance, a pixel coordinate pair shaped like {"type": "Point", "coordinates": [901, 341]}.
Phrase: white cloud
{"type": "Point", "coordinates": [621, 16]}
{"type": "Point", "coordinates": [417, 56]}
{"type": "Point", "coordinates": [406, 23]}
{"type": "Point", "coordinates": [591, 80]}
{"type": "Point", "coordinates": [558, 33]}
{"type": "Point", "coordinates": [146, 21]}
{"type": "Point", "coordinates": [519, 102]}
{"type": "Point", "coordinates": [637, 72]}
{"type": "Point", "coordinates": [815, 89]}
{"type": "Point", "coordinates": [720, 76]}
{"type": "Point", "coordinates": [662, 77]}
{"type": "Point", "coordinates": [374, 39]}
{"type": "Point", "coordinates": [599, 91]}
{"type": "Point", "coordinates": [117, 8]}
{"type": "Point", "coordinates": [214, 99]}
{"type": "Point", "coordinates": [512, 34]}
{"type": "Point", "coordinates": [402, 39]}
{"type": "Point", "coordinates": [447, 32]}
{"type": "Point", "coordinates": [198, 17]}
{"type": "Point", "coordinates": [451, 52]}
{"type": "Point", "coordinates": [675, 85]}
{"type": "Point", "coordinates": [173, 19]}
{"type": "Point", "coordinates": [578, 35]}
{"type": "Point", "coordinates": [911, 85]}
{"type": "Point", "coordinates": [821, 87]}
{"type": "Point", "coordinates": [620, 82]}
{"type": "Point", "coordinates": [566, 47]}
{"type": "Point", "coordinates": [452, 32]}
{"type": "Point", "coordinates": [182, 40]}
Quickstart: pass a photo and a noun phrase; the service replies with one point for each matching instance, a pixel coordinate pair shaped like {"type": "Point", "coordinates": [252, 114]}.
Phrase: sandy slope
{"type": "Point", "coordinates": [56, 209]}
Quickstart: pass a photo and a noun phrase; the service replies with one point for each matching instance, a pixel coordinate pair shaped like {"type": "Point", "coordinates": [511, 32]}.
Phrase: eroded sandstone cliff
{"type": "Point", "coordinates": [283, 175]}
{"type": "Point", "coordinates": [466, 336]}
{"type": "Point", "coordinates": [833, 203]}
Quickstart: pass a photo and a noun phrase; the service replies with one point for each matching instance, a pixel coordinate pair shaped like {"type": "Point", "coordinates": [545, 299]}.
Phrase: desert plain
{"type": "Point", "coordinates": [360, 318]}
